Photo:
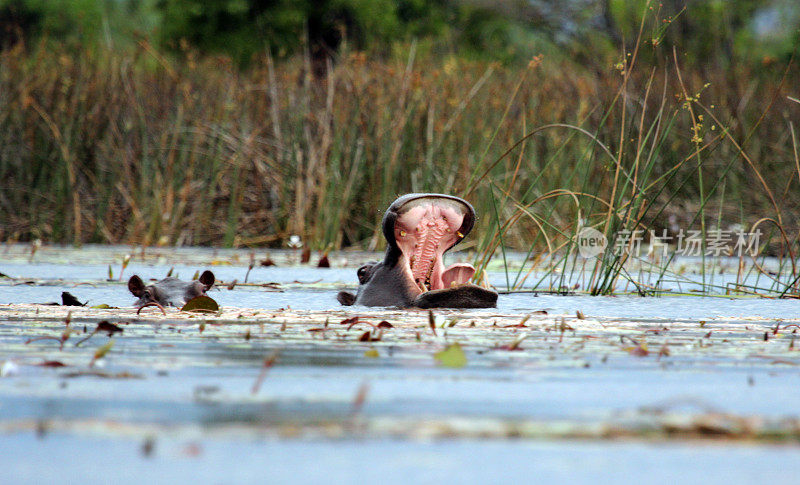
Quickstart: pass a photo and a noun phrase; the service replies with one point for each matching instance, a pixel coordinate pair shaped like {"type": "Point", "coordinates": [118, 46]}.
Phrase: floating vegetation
{"type": "Point", "coordinates": [451, 356]}
{"type": "Point", "coordinates": [201, 303]}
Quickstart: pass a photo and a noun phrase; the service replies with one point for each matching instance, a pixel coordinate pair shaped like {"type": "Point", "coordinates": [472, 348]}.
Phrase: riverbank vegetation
{"type": "Point", "coordinates": [163, 138]}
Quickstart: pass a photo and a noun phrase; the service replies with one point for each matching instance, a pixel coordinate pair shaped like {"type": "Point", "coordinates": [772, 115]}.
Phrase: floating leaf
{"type": "Point", "coordinates": [432, 322]}
{"type": "Point", "coordinates": [639, 351]}
{"type": "Point", "coordinates": [148, 446]}
{"type": "Point", "coordinates": [102, 306]}
{"type": "Point", "coordinates": [451, 356]}
{"type": "Point", "coordinates": [515, 344]}
{"type": "Point", "coordinates": [372, 354]}
{"type": "Point", "coordinates": [361, 397]}
{"type": "Point", "coordinates": [266, 366]}
{"type": "Point", "coordinates": [521, 324]}
{"type": "Point", "coordinates": [125, 260]}
{"type": "Point", "coordinates": [101, 352]}
{"type": "Point", "coordinates": [106, 326]}
{"type": "Point", "coordinates": [201, 303]}
{"type": "Point", "coordinates": [103, 326]}
{"type": "Point", "coordinates": [68, 299]}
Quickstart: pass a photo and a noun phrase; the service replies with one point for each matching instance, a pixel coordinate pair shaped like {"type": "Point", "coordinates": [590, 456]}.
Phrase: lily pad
{"type": "Point", "coordinates": [451, 356]}
{"type": "Point", "coordinates": [201, 303]}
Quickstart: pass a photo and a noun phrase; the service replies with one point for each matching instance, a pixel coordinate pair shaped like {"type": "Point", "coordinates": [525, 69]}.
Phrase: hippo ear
{"type": "Point", "coordinates": [136, 285]}
{"type": "Point", "coordinates": [208, 279]}
{"type": "Point", "coordinates": [346, 298]}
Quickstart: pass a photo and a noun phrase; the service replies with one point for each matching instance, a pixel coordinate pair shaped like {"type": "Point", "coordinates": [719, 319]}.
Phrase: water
{"type": "Point", "coordinates": [309, 288]}
{"type": "Point", "coordinates": [223, 460]}
{"type": "Point", "coordinates": [174, 398]}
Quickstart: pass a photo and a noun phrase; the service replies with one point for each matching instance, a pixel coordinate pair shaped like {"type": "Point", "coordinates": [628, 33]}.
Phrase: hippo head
{"type": "Point", "coordinates": [170, 291]}
{"type": "Point", "coordinates": [419, 229]}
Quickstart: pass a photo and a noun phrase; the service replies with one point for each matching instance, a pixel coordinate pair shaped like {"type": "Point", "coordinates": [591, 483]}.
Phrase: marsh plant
{"type": "Point", "coordinates": [145, 146]}
{"type": "Point", "coordinates": [679, 160]}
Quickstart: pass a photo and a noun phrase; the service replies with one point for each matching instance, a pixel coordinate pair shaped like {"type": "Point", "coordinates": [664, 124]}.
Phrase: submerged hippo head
{"type": "Point", "coordinates": [419, 229]}
{"type": "Point", "coordinates": [170, 291]}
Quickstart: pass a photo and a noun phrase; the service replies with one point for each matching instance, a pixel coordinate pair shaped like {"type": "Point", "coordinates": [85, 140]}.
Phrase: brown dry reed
{"type": "Point", "coordinates": [144, 147]}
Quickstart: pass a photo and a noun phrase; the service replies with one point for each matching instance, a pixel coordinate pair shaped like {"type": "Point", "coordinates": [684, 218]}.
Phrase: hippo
{"type": "Point", "coordinates": [170, 291]}
{"type": "Point", "coordinates": [419, 229]}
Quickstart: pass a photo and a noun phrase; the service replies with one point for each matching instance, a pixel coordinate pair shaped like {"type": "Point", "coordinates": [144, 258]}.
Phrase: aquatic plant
{"type": "Point", "coordinates": [149, 148]}
{"type": "Point", "coordinates": [677, 163]}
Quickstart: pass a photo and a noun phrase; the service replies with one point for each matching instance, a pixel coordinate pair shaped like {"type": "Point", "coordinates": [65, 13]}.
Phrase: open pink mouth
{"type": "Point", "coordinates": [425, 228]}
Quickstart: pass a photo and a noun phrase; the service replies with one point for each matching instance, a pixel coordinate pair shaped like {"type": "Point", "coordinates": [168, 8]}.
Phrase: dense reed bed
{"type": "Point", "coordinates": [143, 147]}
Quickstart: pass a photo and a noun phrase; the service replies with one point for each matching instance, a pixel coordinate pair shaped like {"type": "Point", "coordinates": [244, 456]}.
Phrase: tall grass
{"type": "Point", "coordinates": [145, 148]}
{"type": "Point", "coordinates": [677, 158]}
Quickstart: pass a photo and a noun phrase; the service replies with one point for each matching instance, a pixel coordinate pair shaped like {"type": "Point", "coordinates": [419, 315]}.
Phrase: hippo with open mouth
{"type": "Point", "coordinates": [170, 291]}
{"type": "Point", "coordinates": [419, 229]}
